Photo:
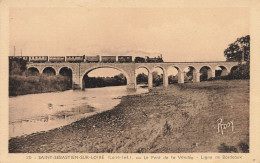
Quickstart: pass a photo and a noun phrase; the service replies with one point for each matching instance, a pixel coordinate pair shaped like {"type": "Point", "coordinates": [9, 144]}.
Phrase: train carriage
{"type": "Point", "coordinates": [139, 60]}
{"type": "Point", "coordinates": [92, 58]}
{"type": "Point", "coordinates": [25, 58]}
{"type": "Point", "coordinates": [56, 59]}
{"type": "Point", "coordinates": [123, 59]}
{"type": "Point", "coordinates": [74, 58]}
{"type": "Point", "coordinates": [38, 59]}
{"type": "Point", "coordinates": [108, 59]}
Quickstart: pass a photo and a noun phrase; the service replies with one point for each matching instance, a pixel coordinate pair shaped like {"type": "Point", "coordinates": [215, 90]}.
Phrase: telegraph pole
{"type": "Point", "coordinates": [21, 52]}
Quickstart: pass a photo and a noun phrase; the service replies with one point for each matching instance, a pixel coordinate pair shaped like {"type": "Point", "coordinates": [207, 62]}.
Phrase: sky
{"type": "Point", "coordinates": [179, 34]}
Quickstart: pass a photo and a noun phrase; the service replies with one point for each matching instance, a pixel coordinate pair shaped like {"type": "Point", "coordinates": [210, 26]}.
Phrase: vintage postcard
{"type": "Point", "coordinates": [129, 81]}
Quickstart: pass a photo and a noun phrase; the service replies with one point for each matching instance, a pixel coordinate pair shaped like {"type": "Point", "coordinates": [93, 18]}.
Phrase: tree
{"type": "Point", "coordinates": [157, 78]}
{"type": "Point", "coordinates": [93, 82]}
{"type": "Point", "coordinates": [204, 74]}
{"type": "Point", "coordinates": [121, 79]}
{"type": "Point", "coordinates": [239, 50]}
{"type": "Point", "coordinates": [17, 66]}
{"type": "Point", "coordinates": [189, 75]}
{"type": "Point", "coordinates": [142, 78]}
{"type": "Point", "coordinates": [173, 79]}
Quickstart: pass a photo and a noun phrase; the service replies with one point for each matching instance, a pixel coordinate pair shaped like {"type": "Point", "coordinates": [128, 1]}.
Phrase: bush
{"type": "Point", "coordinates": [244, 147]}
{"type": "Point", "coordinates": [20, 85]}
{"type": "Point", "coordinates": [242, 72]}
{"type": "Point", "coordinates": [223, 148]}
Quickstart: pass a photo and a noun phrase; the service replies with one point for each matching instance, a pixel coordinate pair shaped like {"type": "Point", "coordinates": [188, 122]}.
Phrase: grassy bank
{"type": "Point", "coordinates": [179, 119]}
{"type": "Point", "coordinates": [21, 85]}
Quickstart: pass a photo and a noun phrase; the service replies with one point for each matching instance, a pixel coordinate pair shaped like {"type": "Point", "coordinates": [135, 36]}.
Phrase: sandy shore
{"type": "Point", "coordinates": [182, 118]}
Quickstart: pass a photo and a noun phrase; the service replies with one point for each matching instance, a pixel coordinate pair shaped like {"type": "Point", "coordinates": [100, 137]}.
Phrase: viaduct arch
{"type": "Point", "coordinates": [98, 67]}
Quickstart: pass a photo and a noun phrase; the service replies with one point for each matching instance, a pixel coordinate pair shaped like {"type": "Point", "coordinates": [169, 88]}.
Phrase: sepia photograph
{"type": "Point", "coordinates": [129, 80]}
{"type": "Point", "coordinates": [95, 79]}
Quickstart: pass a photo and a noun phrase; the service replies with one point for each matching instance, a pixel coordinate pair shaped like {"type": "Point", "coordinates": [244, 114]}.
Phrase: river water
{"type": "Point", "coordinates": [41, 112]}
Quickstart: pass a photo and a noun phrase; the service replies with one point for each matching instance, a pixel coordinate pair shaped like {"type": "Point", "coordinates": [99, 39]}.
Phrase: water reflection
{"type": "Point", "coordinates": [41, 112]}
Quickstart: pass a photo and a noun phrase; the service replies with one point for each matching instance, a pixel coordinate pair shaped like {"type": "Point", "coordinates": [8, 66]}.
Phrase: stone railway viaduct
{"type": "Point", "coordinates": [79, 70]}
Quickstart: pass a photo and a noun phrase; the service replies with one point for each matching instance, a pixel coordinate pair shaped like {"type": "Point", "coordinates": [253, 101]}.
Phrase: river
{"type": "Point", "coordinates": [45, 111]}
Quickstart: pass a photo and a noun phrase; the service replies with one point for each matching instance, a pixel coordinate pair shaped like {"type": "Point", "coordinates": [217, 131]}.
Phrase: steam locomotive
{"type": "Point", "coordinates": [89, 59]}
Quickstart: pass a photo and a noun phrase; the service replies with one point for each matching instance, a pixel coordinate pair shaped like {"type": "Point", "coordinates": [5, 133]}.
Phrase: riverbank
{"type": "Point", "coordinates": [179, 119]}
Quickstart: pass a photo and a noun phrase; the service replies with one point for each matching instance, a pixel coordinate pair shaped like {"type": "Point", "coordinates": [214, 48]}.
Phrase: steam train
{"type": "Point", "coordinates": [89, 59]}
